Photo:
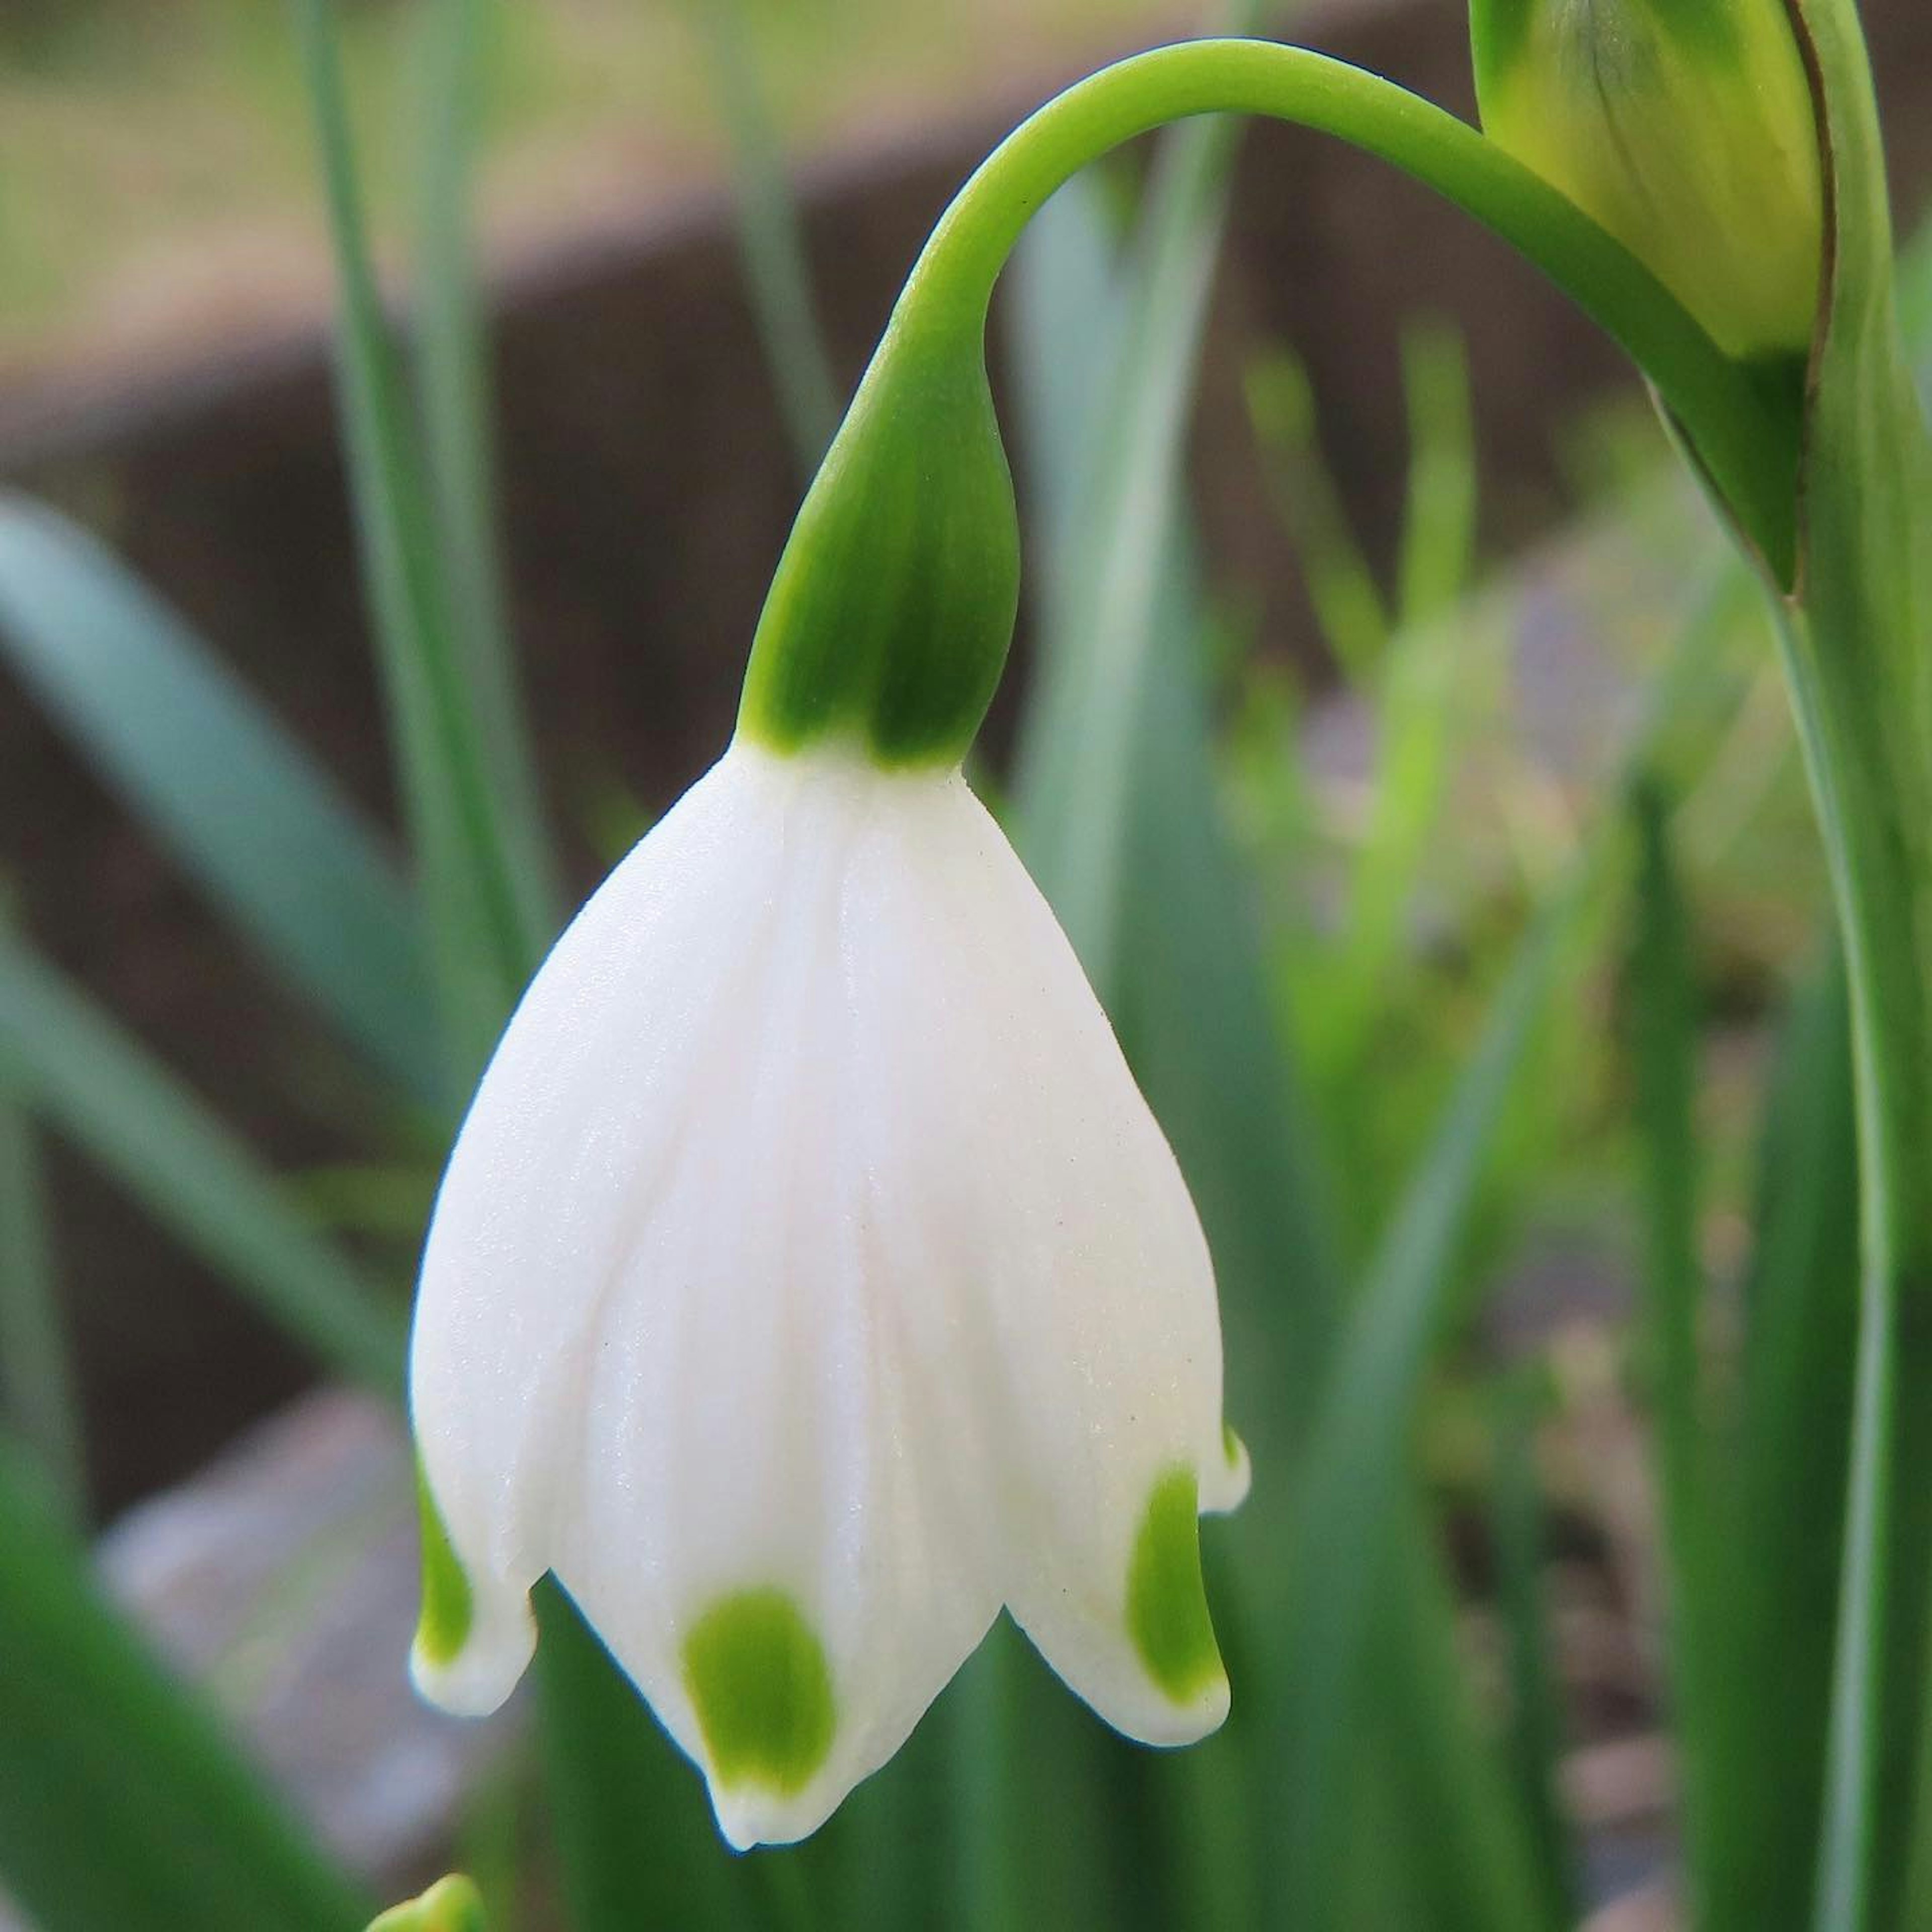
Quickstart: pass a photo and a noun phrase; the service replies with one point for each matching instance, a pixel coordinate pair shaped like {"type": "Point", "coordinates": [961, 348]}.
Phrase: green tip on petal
{"type": "Point", "coordinates": [1167, 1601]}
{"type": "Point", "coordinates": [448, 1608]}
{"type": "Point", "coordinates": [1230, 1445]}
{"type": "Point", "coordinates": [452, 1904]}
{"type": "Point", "coordinates": [758, 1680]}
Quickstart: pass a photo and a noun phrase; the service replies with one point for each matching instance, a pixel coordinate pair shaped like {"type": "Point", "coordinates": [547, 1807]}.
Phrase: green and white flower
{"type": "Point", "coordinates": [809, 1280]}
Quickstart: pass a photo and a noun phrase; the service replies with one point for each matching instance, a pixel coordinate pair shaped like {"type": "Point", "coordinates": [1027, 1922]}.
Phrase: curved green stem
{"type": "Point", "coordinates": [1744, 432]}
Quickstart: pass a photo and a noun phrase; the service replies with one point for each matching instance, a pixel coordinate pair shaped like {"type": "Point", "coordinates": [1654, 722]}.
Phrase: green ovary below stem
{"type": "Point", "coordinates": [1167, 1601]}
{"type": "Point", "coordinates": [758, 1680]}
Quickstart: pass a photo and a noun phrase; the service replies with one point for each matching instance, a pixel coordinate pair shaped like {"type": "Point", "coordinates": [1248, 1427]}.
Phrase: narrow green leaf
{"type": "Point", "coordinates": [1663, 1016]}
{"type": "Point", "coordinates": [1470, 1847]}
{"type": "Point", "coordinates": [487, 922]}
{"type": "Point", "coordinates": [131, 1116]}
{"type": "Point", "coordinates": [1860, 676]}
{"type": "Point", "coordinates": [1536, 1739]}
{"type": "Point", "coordinates": [452, 362]}
{"type": "Point", "coordinates": [1788, 1462]}
{"type": "Point", "coordinates": [204, 764]}
{"type": "Point", "coordinates": [121, 1803]}
{"type": "Point", "coordinates": [1355, 620]}
{"type": "Point", "coordinates": [1439, 530]}
{"type": "Point", "coordinates": [1066, 308]}
{"type": "Point", "coordinates": [1192, 1011]}
{"type": "Point", "coordinates": [1073, 781]}
{"type": "Point", "coordinates": [632, 1828]}
{"type": "Point", "coordinates": [39, 1404]}
{"type": "Point", "coordinates": [770, 238]}
{"type": "Point", "coordinates": [1353, 1479]}
{"type": "Point", "coordinates": [1354, 1473]}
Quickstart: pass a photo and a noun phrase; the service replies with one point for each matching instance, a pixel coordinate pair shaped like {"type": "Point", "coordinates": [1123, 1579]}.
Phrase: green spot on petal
{"type": "Point", "coordinates": [758, 1680]}
{"type": "Point", "coordinates": [1231, 1446]}
{"type": "Point", "coordinates": [1167, 1602]}
{"type": "Point", "coordinates": [447, 1608]}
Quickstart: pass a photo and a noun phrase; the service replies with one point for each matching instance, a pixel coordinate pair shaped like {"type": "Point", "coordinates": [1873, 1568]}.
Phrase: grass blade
{"type": "Point", "coordinates": [39, 1405]}
{"type": "Point", "coordinates": [1473, 1863]}
{"type": "Point", "coordinates": [452, 362]}
{"type": "Point", "coordinates": [1789, 1453]}
{"type": "Point", "coordinates": [1355, 621]}
{"type": "Point", "coordinates": [1663, 1013]}
{"type": "Point", "coordinates": [1354, 1475]}
{"type": "Point", "coordinates": [121, 1804]}
{"type": "Point", "coordinates": [628, 1816]}
{"type": "Point", "coordinates": [1074, 778]}
{"type": "Point", "coordinates": [1536, 1731]}
{"type": "Point", "coordinates": [138, 1124]}
{"type": "Point", "coordinates": [255, 819]}
{"type": "Point", "coordinates": [487, 918]}
{"type": "Point", "coordinates": [1438, 531]}
{"type": "Point", "coordinates": [769, 240]}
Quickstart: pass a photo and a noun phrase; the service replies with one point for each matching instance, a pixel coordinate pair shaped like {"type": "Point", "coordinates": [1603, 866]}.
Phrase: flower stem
{"type": "Point", "coordinates": [1742, 426]}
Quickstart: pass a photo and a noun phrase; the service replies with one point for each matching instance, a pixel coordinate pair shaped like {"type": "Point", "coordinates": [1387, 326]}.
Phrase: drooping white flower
{"type": "Point", "coordinates": [809, 1280]}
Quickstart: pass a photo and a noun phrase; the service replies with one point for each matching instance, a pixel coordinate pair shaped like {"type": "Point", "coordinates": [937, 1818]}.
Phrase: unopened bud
{"type": "Point", "coordinates": [1683, 127]}
{"type": "Point", "coordinates": [450, 1905]}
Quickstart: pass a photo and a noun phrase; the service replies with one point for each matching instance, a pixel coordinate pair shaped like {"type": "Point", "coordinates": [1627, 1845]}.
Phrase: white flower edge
{"type": "Point", "coordinates": [809, 1279]}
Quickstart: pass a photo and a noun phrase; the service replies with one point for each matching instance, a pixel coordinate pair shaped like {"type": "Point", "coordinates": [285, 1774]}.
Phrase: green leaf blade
{"type": "Point", "coordinates": [121, 1803]}
{"type": "Point", "coordinates": [254, 817]}
{"type": "Point", "coordinates": [144, 1127]}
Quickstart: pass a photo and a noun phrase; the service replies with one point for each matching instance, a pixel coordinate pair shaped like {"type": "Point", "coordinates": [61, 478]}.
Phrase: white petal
{"type": "Point", "coordinates": [718, 1395]}
{"type": "Point", "coordinates": [1060, 1213]}
{"type": "Point", "coordinates": [580, 1108]}
{"type": "Point", "coordinates": [496, 1651]}
{"type": "Point", "coordinates": [758, 1428]}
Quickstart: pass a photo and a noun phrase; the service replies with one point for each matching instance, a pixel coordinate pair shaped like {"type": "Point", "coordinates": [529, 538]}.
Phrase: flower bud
{"type": "Point", "coordinates": [1686, 128]}
{"type": "Point", "coordinates": [450, 1905]}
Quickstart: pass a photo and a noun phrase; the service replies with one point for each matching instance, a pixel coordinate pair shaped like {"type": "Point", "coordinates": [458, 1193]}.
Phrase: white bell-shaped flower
{"type": "Point", "coordinates": [810, 1280]}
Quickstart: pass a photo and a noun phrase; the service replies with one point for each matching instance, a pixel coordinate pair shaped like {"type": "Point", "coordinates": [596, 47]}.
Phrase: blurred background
{"type": "Point", "coordinates": [1434, 554]}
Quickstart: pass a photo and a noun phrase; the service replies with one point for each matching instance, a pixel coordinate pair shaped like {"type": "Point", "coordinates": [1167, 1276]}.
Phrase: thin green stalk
{"type": "Point", "coordinates": [769, 239]}
{"type": "Point", "coordinates": [1745, 436]}
{"type": "Point", "coordinates": [486, 924]}
{"type": "Point", "coordinates": [454, 367]}
{"type": "Point", "coordinates": [248, 812]}
{"type": "Point", "coordinates": [1664, 1047]}
{"type": "Point", "coordinates": [121, 1804]}
{"type": "Point", "coordinates": [1356, 623]}
{"type": "Point", "coordinates": [1536, 1729]}
{"type": "Point", "coordinates": [1787, 1460]}
{"type": "Point", "coordinates": [141, 1126]}
{"type": "Point", "coordinates": [1076, 753]}
{"type": "Point", "coordinates": [39, 1404]}
{"type": "Point", "coordinates": [1438, 528]}
{"type": "Point", "coordinates": [1351, 1484]}
{"type": "Point", "coordinates": [1856, 652]}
